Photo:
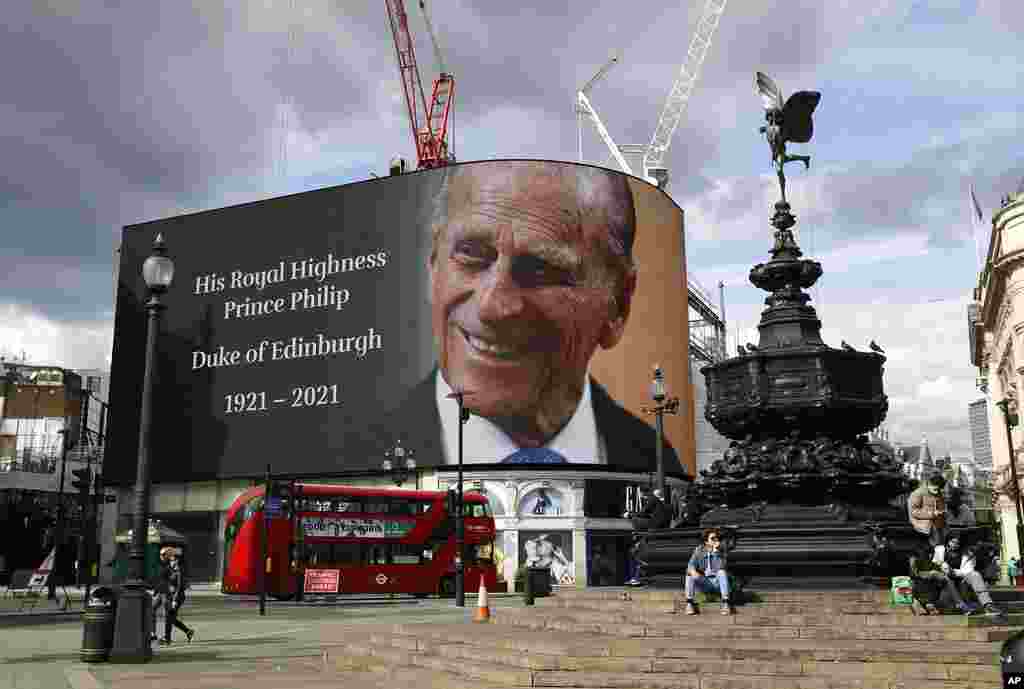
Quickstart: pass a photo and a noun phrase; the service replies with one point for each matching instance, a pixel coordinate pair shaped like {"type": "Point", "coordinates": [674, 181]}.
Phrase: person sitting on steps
{"type": "Point", "coordinates": [961, 566]}
{"type": "Point", "coordinates": [930, 584]}
{"type": "Point", "coordinates": [707, 570]}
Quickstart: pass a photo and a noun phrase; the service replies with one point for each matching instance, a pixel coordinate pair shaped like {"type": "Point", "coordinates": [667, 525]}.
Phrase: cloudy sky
{"type": "Point", "coordinates": [119, 112]}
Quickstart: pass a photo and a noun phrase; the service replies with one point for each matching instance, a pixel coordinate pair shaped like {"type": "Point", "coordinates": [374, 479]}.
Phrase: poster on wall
{"type": "Point", "coordinates": [551, 550]}
{"type": "Point", "coordinates": [314, 331]}
{"type": "Point", "coordinates": [542, 502]}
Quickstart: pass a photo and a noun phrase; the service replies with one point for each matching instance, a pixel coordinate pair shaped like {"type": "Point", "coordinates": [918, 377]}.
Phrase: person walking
{"type": "Point", "coordinates": [160, 588]}
{"type": "Point", "coordinates": [635, 563]}
{"type": "Point", "coordinates": [172, 594]}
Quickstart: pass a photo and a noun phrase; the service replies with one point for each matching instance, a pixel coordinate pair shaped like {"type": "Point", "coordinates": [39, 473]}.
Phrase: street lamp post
{"type": "Point", "coordinates": [60, 552]}
{"type": "Point", "coordinates": [403, 465]}
{"type": "Point", "coordinates": [460, 526]}
{"type": "Point", "coordinates": [133, 626]}
{"type": "Point", "coordinates": [1010, 420]}
{"type": "Point", "coordinates": [662, 406]}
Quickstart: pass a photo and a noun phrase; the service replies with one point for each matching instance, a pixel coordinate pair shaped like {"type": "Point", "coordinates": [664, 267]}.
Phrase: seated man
{"type": "Point", "coordinates": [961, 566]}
{"type": "Point", "coordinates": [930, 584]}
{"type": "Point", "coordinates": [707, 571]}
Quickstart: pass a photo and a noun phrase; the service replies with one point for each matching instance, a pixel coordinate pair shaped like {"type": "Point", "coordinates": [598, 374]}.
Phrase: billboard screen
{"type": "Point", "coordinates": [316, 331]}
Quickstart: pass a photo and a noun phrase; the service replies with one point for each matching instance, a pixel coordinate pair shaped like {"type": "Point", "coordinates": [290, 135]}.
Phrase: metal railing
{"type": "Point", "coordinates": [34, 464]}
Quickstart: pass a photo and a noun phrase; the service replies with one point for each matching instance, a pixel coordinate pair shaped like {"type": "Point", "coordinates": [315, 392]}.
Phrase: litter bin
{"type": "Point", "coordinates": [98, 626]}
{"type": "Point", "coordinates": [1011, 660]}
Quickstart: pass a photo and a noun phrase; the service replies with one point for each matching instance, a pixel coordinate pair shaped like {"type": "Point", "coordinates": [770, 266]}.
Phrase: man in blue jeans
{"type": "Point", "coordinates": [707, 571]}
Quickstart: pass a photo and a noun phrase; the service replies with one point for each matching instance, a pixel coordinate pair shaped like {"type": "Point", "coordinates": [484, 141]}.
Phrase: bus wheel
{"type": "Point", "coordinates": [282, 596]}
{"type": "Point", "coordinates": [446, 589]}
{"type": "Point", "coordinates": [420, 595]}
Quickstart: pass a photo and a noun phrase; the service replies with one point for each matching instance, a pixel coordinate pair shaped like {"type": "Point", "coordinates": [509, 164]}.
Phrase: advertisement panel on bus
{"type": "Point", "coordinates": [325, 326]}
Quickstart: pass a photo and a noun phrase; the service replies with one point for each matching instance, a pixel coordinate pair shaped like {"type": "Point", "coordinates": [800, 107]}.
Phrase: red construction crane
{"type": "Point", "coordinates": [429, 125]}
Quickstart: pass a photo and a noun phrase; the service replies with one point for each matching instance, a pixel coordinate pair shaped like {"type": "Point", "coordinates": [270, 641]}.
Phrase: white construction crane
{"type": "Point", "coordinates": [655, 153]}
{"type": "Point", "coordinates": [675, 104]}
{"type": "Point", "coordinates": [584, 108]}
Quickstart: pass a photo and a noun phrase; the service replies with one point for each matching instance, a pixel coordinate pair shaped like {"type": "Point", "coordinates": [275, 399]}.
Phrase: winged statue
{"type": "Point", "coordinates": [789, 120]}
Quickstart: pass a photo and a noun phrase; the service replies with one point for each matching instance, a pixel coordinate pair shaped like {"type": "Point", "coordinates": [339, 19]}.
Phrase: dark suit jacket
{"type": "Point", "coordinates": [630, 442]}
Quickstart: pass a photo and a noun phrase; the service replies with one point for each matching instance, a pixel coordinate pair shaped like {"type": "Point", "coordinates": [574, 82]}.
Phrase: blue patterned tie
{"type": "Point", "coordinates": [534, 455]}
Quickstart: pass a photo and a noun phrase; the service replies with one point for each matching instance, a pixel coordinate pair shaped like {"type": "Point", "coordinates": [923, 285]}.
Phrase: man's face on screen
{"type": "Point", "coordinates": [523, 292]}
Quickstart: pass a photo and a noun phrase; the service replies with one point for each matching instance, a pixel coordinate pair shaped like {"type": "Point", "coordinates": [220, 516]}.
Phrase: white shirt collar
{"type": "Point", "coordinates": [484, 443]}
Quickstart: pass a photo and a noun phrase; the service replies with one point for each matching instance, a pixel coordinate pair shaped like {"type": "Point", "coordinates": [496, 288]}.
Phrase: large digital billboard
{"type": "Point", "coordinates": [313, 332]}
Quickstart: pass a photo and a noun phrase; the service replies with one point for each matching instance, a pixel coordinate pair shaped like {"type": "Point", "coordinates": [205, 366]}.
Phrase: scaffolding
{"type": "Point", "coordinates": [707, 324]}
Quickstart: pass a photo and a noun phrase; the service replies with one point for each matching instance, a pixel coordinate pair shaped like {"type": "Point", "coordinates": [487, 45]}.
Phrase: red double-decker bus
{"type": "Point", "coordinates": [355, 540]}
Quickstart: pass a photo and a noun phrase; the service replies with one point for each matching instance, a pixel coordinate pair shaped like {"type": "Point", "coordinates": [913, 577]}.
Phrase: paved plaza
{"type": "Point", "coordinates": [233, 647]}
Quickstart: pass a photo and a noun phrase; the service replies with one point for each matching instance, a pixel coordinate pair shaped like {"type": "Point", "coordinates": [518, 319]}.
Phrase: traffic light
{"type": "Point", "coordinates": [82, 481]}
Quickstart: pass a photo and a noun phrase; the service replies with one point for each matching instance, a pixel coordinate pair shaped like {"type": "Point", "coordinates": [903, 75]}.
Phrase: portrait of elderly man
{"type": "Point", "coordinates": [531, 272]}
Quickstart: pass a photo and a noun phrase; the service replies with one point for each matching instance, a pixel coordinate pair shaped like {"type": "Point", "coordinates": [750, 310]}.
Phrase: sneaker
{"type": "Point", "coordinates": [633, 582]}
{"type": "Point", "coordinates": [691, 609]}
{"type": "Point", "coordinates": [727, 608]}
{"type": "Point", "coordinates": [992, 611]}
{"type": "Point", "coordinates": [965, 609]}
{"type": "Point", "coordinates": [917, 608]}
{"type": "Point", "coordinates": [931, 609]}
{"type": "Point", "coordinates": [165, 642]}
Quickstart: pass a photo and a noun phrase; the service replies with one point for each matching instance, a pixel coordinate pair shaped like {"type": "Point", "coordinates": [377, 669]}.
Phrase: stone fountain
{"type": "Point", "coordinates": [803, 494]}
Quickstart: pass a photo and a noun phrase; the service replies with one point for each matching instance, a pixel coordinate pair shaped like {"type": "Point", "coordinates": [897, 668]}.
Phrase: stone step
{"type": "Point", "coordinates": [757, 615]}
{"type": "Point", "coordinates": [523, 642]}
{"type": "Point", "coordinates": [820, 603]}
{"type": "Point", "coordinates": [783, 608]}
{"type": "Point", "coordinates": [375, 671]}
{"type": "Point", "coordinates": [767, 596]}
{"type": "Point", "coordinates": [779, 608]}
{"type": "Point", "coordinates": [452, 655]}
{"type": "Point", "coordinates": [797, 682]}
{"type": "Point", "coordinates": [479, 671]}
{"type": "Point", "coordinates": [733, 628]}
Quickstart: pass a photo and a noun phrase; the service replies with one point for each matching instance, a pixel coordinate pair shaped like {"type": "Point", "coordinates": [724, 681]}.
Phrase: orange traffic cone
{"type": "Point", "coordinates": [483, 611]}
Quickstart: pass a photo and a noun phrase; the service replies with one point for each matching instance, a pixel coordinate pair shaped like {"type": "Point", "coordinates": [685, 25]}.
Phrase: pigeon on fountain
{"type": "Point", "coordinates": [753, 349]}
{"type": "Point", "coordinates": [873, 346]}
{"type": "Point", "coordinates": [846, 347]}
{"type": "Point", "coordinates": [740, 350]}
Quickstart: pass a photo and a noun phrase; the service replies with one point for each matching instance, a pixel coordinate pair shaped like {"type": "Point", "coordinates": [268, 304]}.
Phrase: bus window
{"type": "Point", "coordinates": [347, 554]}
{"type": "Point", "coordinates": [252, 507]}
{"type": "Point", "coordinates": [333, 554]}
{"type": "Point", "coordinates": [480, 553]}
{"type": "Point", "coordinates": [404, 508]}
{"type": "Point", "coordinates": [349, 504]}
{"type": "Point", "coordinates": [406, 554]}
{"type": "Point", "coordinates": [318, 554]}
{"type": "Point", "coordinates": [477, 509]}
